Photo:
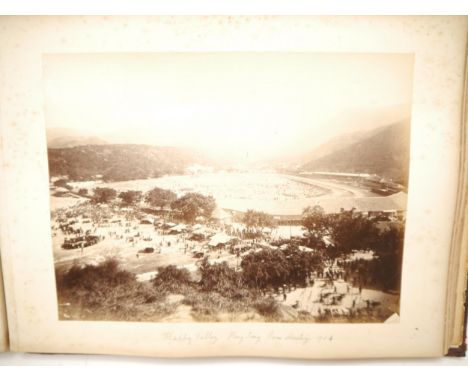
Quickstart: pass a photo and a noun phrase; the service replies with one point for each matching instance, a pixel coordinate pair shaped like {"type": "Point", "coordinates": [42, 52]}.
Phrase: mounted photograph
{"type": "Point", "coordinates": [228, 186]}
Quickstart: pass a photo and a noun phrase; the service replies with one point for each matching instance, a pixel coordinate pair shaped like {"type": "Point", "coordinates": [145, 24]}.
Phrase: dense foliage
{"type": "Point", "coordinates": [107, 292]}
{"type": "Point", "coordinates": [350, 231]}
{"type": "Point", "coordinates": [120, 162]}
{"type": "Point", "coordinates": [220, 278]}
{"type": "Point", "coordinates": [192, 205]}
{"type": "Point", "coordinates": [62, 183]}
{"type": "Point", "coordinates": [268, 267]}
{"type": "Point", "coordinates": [171, 279]}
{"type": "Point", "coordinates": [255, 221]}
{"type": "Point", "coordinates": [104, 194]}
{"type": "Point", "coordinates": [130, 197]}
{"type": "Point", "coordinates": [159, 197]}
{"type": "Point", "coordinates": [317, 225]}
{"type": "Point", "coordinates": [91, 277]}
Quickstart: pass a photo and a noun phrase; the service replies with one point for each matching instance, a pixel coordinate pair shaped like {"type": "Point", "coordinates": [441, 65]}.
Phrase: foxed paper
{"type": "Point", "coordinates": [3, 319]}
{"type": "Point", "coordinates": [411, 65]}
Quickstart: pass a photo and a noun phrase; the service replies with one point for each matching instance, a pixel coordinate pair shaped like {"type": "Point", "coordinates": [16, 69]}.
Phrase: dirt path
{"type": "Point", "coordinates": [183, 313]}
{"type": "Point", "coordinates": [308, 298]}
{"type": "Point", "coordinates": [337, 189]}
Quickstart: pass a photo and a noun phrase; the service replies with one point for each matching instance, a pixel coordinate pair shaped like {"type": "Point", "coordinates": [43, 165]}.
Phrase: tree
{"type": "Point", "coordinates": [62, 183]}
{"type": "Point", "coordinates": [383, 272]}
{"type": "Point", "coordinates": [130, 197]}
{"type": "Point", "coordinates": [265, 220]}
{"type": "Point", "coordinates": [389, 251]}
{"type": "Point", "coordinates": [317, 225]}
{"type": "Point", "coordinates": [257, 220]}
{"type": "Point", "coordinates": [104, 194]}
{"type": "Point", "coordinates": [266, 269]}
{"type": "Point", "coordinates": [249, 219]}
{"type": "Point", "coordinates": [192, 205]}
{"type": "Point", "coordinates": [302, 264]}
{"type": "Point", "coordinates": [159, 197]}
{"type": "Point", "coordinates": [353, 231]}
{"type": "Point", "coordinates": [171, 279]}
{"type": "Point", "coordinates": [107, 274]}
{"type": "Point", "coordinates": [83, 192]}
{"type": "Point", "coordinates": [219, 278]}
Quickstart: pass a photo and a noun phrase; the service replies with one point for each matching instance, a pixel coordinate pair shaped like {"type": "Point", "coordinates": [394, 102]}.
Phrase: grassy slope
{"type": "Point", "coordinates": [386, 153]}
{"type": "Point", "coordinates": [121, 162]}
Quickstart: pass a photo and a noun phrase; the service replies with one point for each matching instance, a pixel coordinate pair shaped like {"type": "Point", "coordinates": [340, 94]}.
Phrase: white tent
{"type": "Point", "coordinates": [220, 238]}
{"type": "Point", "coordinates": [179, 228]}
{"type": "Point", "coordinates": [237, 226]}
{"type": "Point", "coordinates": [220, 214]}
{"type": "Point", "coordinates": [147, 220]}
{"type": "Point", "coordinates": [200, 231]}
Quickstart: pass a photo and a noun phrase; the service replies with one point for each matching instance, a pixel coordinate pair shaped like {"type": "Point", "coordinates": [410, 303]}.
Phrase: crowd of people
{"type": "Point", "coordinates": [331, 289]}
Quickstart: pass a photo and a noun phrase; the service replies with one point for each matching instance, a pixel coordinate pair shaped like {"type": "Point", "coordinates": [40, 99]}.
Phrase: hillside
{"type": "Point", "coordinates": [121, 161]}
{"type": "Point", "coordinates": [61, 138]}
{"type": "Point", "coordinates": [337, 143]}
{"type": "Point", "coordinates": [384, 151]}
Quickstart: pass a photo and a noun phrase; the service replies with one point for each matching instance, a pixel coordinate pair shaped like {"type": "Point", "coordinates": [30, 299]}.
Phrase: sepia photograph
{"type": "Point", "coordinates": [229, 186]}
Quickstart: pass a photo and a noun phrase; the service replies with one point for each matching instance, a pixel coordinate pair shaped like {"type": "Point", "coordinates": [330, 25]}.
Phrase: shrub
{"type": "Point", "coordinates": [207, 306]}
{"type": "Point", "coordinates": [132, 302]}
{"type": "Point", "coordinates": [171, 279]}
{"type": "Point", "coordinates": [220, 278]}
{"type": "Point", "coordinates": [104, 194]}
{"type": "Point", "coordinates": [62, 183]}
{"type": "Point", "coordinates": [90, 277]}
{"type": "Point", "coordinates": [130, 197]}
{"type": "Point", "coordinates": [105, 292]}
{"type": "Point", "coordinates": [268, 308]}
{"type": "Point", "coordinates": [192, 205]}
{"type": "Point", "coordinates": [266, 269]}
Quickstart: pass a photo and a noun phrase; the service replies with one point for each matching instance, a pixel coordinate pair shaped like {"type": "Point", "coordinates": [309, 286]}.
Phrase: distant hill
{"type": "Point", "coordinates": [335, 144]}
{"type": "Point", "coordinates": [383, 151]}
{"type": "Point", "coordinates": [60, 137]}
{"type": "Point", "coordinates": [119, 162]}
{"type": "Point", "coordinates": [72, 142]}
{"type": "Point", "coordinates": [356, 124]}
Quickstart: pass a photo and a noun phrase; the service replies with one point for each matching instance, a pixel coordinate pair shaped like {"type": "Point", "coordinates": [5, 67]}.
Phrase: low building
{"type": "Point", "coordinates": [391, 206]}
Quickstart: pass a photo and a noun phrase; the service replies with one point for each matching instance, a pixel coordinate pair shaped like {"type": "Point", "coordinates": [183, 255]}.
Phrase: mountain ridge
{"type": "Point", "coordinates": [383, 151]}
{"type": "Point", "coordinates": [120, 162]}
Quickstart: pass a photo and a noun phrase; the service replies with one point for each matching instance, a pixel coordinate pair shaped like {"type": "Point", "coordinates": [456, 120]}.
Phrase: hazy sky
{"type": "Point", "coordinates": [243, 105]}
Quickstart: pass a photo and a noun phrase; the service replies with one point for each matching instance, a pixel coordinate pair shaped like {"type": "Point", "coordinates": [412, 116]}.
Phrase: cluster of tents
{"type": "Point", "coordinates": [198, 232]}
{"type": "Point", "coordinates": [80, 242]}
